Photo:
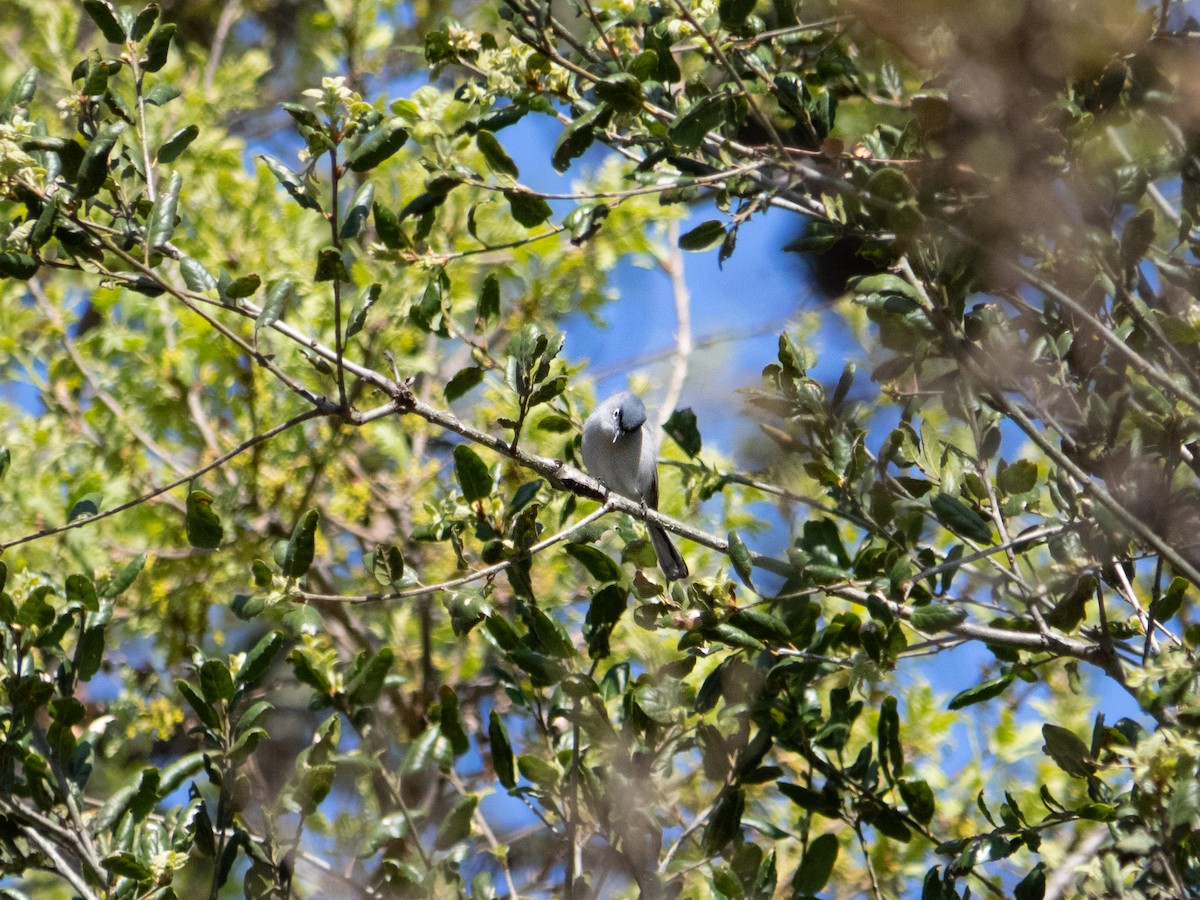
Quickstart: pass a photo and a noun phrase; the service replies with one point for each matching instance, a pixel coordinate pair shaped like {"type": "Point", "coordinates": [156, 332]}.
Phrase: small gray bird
{"type": "Point", "coordinates": [623, 455]}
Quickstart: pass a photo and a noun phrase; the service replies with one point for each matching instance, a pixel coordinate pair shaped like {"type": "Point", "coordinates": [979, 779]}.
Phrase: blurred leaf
{"type": "Point", "coordinates": [277, 297]}
{"type": "Point", "coordinates": [203, 524]}
{"type": "Point", "coordinates": [816, 865]}
{"type": "Point", "coordinates": [1067, 750]}
{"type": "Point", "coordinates": [387, 565]}
{"type": "Point", "coordinates": [473, 476]}
{"type": "Point", "coordinates": [623, 92]}
{"type": "Point", "coordinates": [360, 208]}
{"type": "Point", "coordinates": [961, 519]}
{"type": "Point", "coordinates": [258, 660]}
{"type": "Point", "coordinates": [366, 298]}
{"type": "Point", "coordinates": [935, 617]}
{"type": "Point", "coordinates": [382, 142]}
{"type": "Point", "coordinates": [502, 752]}
{"type": "Point", "coordinates": [456, 826]}
{"type": "Point", "coordinates": [681, 426]}
{"type": "Point", "coordinates": [989, 689]}
{"type": "Point", "coordinates": [529, 210]}
{"type": "Point", "coordinates": [302, 546]}
{"type": "Point", "coordinates": [93, 170]}
{"type": "Point", "coordinates": [739, 555]}
{"type": "Point", "coordinates": [598, 564]}
{"type": "Point", "coordinates": [290, 183]}
{"type": "Point", "coordinates": [499, 161]}
{"type": "Point", "coordinates": [101, 13]}
{"type": "Point", "coordinates": [704, 236]}
{"type": "Point", "coordinates": [176, 143]}
{"type": "Point", "coordinates": [158, 47]}
{"type": "Point", "coordinates": [161, 224]}
{"type": "Point", "coordinates": [725, 822]}
{"type": "Point", "coordinates": [918, 797]}
{"type": "Point", "coordinates": [87, 505]}
{"type": "Point", "coordinates": [462, 382]}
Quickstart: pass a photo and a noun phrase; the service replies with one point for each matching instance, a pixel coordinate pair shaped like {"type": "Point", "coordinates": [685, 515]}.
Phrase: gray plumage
{"type": "Point", "coordinates": [620, 452]}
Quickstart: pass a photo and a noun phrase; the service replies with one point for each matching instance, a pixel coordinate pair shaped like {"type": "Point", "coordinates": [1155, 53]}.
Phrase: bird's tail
{"type": "Point", "coordinates": [669, 557]}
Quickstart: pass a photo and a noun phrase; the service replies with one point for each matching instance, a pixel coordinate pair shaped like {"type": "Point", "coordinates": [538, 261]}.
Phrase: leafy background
{"type": "Point", "coordinates": [302, 593]}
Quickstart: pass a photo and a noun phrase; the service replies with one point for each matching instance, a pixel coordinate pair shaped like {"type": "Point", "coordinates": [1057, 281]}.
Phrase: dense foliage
{"type": "Point", "coordinates": [302, 593]}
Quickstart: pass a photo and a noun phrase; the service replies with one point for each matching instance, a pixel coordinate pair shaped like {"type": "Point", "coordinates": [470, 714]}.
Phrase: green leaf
{"type": "Point", "coordinates": [161, 223]}
{"type": "Point", "coordinates": [3, 574]}
{"type": "Point", "coordinates": [272, 308]}
{"type": "Point", "coordinates": [35, 612]}
{"type": "Point", "coordinates": [578, 136]}
{"type": "Point", "coordinates": [196, 701]}
{"type": "Point", "coordinates": [360, 208]}
{"type": "Point", "coordinates": [598, 564]}
{"type": "Point", "coordinates": [918, 797]}
{"type": "Point", "coordinates": [290, 182]}
{"type": "Point", "coordinates": [258, 660]}
{"type": "Point", "coordinates": [682, 428]}
{"type": "Point", "coordinates": [121, 582]}
{"type": "Point", "coordinates": [537, 770]}
{"type": "Point", "coordinates": [502, 752]}
{"type": "Point", "coordinates": [891, 752]}
{"type": "Point", "coordinates": [934, 617]}
{"type": "Point", "coordinates": [366, 686]}
{"type": "Point", "coordinates": [488, 310]}
{"type": "Point", "coordinates": [472, 473]}
{"type": "Point", "coordinates": [124, 864]}
{"type": "Point", "coordinates": [529, 210]}
{"type": "Point", "coordinates": [817, 864]}
{"type": "Point", "coordinates": [203, 524]}
{"type": "Point", "coordinates": [238, 288]}
{"type": "Point", "coordinates": [79, 590]}
{"type": "Point", "coordinates": [20, 266]}
{"type": "Point", "coordinates": [162, 94]}
{"type": "Point", "coordinates": [456, 826]}
{"type": "Point", "coordinates": [1137, 238]}
{"type": "Point", "coordinates": [604, 612]}
{"type": "Point", "coordinates": [93, 169]}
{"type": "Point", "coordinates": [1033, 885]}
{"type": "Point", "coordinates": [760, 624]}
{"type": "Point", "coordinates": [960, 518]}
{"type": "Point", "coordinates": [623, 92]}
{"type": "Point", "coordinates": [87, 505]}
{"type": "Point", "coordinates": [739, 555]}
{"type": "Point", "coordinates": [993, 687]}
{"type": "Point", "coordinates": [1018, 478]}
{"type": "Point", "coordinates": [362, 305]}
{"type": "Point", "coordinates": [215, 682]}
{"type": "Point", "coordinates": [704, 236]}
{"type": "Point", "coordinates": [387, 226]}
{"type": "Point", "coordinates": [158, 47]}
{"type": "Point", "coordinates": [1067, 750]}
{"type": "Point", "coordinates": [462, 382]}
{"type": "Point", "coordinates": [726, 820]}
{"type": "Point", "coordinates": [144, 22]}
{"type": "Point", "coordinates": [703, 119]}
{"type": "Point", "coordinates": [195, 276]}
{"type": "Point", "coordinates": [89, 655]}
{"type": "Point", "coordinates": [498, 160]}
{"type": "Point", "coordinates": [450, 721]}
{"type": "Point", "coordinates": [302, 546]}
{"type": "Point", "coordinates": [22, 90]}
{"type": "Point", "coordinates": [302, 115]}
{"type": "Point", "coordinates": [330, 265]}
{"type": "Point", "coordinates": [380, 143]}
{"type": "Point", "coordinates": [101, 13]}
{"type": "Point", "coordinates": [387, 565]}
